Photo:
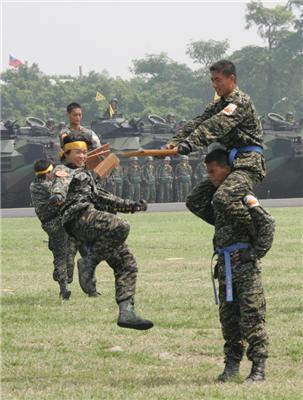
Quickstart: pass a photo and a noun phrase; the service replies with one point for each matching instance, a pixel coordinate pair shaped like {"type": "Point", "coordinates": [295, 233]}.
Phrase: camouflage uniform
{"type": "Point", "coordinates": [183, 174]}
{"type": "Point", "coordinates": [134, 179]}
{"type": "Point", "coordinates": [244, 317]}
{"type": "Point", "coordinates": [89, 134]}
{"type": "Point", "coordinates": [149, 180]}
{"type": "Point", "coordinates": [200, 173]}
{"type": "Point", "coordinates": [117, 176]}
{"type": "Point", "coordinates": [62, 176]}
{"type": "Point", "coordinates": [232, 121]}
{"type": "Point", "coordinates": [89, 215]}
{"type": "Point", "coordinates": [165, 181]}
{"type": "Point", "coordinates": [49, 216]}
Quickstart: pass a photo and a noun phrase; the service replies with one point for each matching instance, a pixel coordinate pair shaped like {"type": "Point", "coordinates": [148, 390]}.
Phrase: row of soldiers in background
{"type": "Point", "coordinates": [156, 180]}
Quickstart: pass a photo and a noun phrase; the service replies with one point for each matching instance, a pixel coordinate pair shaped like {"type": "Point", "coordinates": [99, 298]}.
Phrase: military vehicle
{"type": "Point", "coordinates": [20, 147]}
{"type": "Point", "coordinates": [283, 150]}
{"type": "Point", "coordinates": [135, 134]}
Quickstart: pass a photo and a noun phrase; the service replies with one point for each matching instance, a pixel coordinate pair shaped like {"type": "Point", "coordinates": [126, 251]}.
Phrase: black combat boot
{"type": "Point", "coordinates": [64, 292]}
{"type": "Point", "coordinates": [257, 373]}
{"type": "Point", "coordinates": [128, 318]}
{"type": "Point", "coordinates": [231, 370]}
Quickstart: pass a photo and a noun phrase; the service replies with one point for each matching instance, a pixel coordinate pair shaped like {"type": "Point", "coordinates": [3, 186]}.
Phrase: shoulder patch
{"type": "Point", "coordinates": [230, 109]}
{"type": "Point", "coordinates": [61, 173]}
{"type": "Point", "coordinates": [251, 201]}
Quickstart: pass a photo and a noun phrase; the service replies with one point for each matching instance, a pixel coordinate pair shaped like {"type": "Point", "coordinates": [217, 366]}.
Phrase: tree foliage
{"type": "Point", "coordinates": [161, 85]}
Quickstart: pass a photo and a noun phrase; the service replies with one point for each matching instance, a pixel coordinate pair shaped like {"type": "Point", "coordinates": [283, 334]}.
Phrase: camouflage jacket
{"type": "Point", "coordinates": [40, 191]}
{"type": "Point", "coordinates": [200, 171]}
{"type": "Point", "coordinates": [62, 176]}
{"type": "Point", "coordinates": [260, 233]}
{"type": "Point", "coordinates": [86, 190]}
{"type": "Point", "coordinates": [232, 121]}
{"type": "Point", "coordinates": [165, 173]}
{"type": "Point", "coordinates": [117, 174]}
{"type": "Point", "coordinates": [149, 173]}
{"type": "Point", "coordinates": [89, 134]}
{"type": "Point", "coordinates": [134, 174]}
{"type": "Point", "coordinates": [183, 172]}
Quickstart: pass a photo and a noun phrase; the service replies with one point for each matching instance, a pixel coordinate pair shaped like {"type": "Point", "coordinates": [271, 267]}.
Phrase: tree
{"type": "Point", "coordinates": [207, 52]}
{"type": "Point", "coordinates": [272, 24]}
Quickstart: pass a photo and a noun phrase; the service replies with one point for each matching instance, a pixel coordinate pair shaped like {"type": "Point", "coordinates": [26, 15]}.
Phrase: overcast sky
{"type": "Point", "coordinates": [109, 35]}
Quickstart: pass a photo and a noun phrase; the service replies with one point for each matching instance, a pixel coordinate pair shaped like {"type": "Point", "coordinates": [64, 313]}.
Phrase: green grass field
{"type": "Point", "coordinates": [64, 350]}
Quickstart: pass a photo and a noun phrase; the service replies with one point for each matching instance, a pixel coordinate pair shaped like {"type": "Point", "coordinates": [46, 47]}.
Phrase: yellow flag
{"type": "Point", "coordinates": [99, 96]}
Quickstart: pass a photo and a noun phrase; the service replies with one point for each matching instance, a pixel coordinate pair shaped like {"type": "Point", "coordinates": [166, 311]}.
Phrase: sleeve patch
{"type": "Point", "coordinates": [230, 109]}
{"type": "Point", "coordinates": [251, 201]}
{"type": "Point", "coordinates": [61, 173]}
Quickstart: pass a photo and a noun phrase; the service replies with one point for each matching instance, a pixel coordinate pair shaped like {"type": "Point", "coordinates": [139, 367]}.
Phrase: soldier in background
{"type": "Point", "coordinates": [149, 180]}
{"type": "Point", "coordinates": [134, 179]}
{"type": "Point", "coordinates": [117, 178]}
{"type": "Point", "coordinates": [200, 172]}
{"type": "Point", "coordinates": [183, 174]}
{"type": "Point", "coordinates": [171, 119]}
{"type": "Point", "coordinates": [289, 117]}
{"type": "Point", "coordinates": [109, 183]}
{"type": "Point", "coordinates": [112, 110]}
{"type": "Point", "coordinates": [165, 181]}
{"type": "Point", "coordinates": [74, 114]}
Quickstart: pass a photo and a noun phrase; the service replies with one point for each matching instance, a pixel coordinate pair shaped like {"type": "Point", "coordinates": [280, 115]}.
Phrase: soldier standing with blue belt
{"type": "Point", "coordinates": [241, 295]}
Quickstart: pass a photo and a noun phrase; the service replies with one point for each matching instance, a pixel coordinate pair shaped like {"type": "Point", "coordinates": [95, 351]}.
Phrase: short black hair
{"type": "Point", "coordinates": [225, 66]}
{"type": "Point", "coordinates": [71, 106]}
{"type": "Point", "coordinates": [75, 138]}
{"type": "Point", "coordinates": [41, 165]}
{"type": "Point", "coordinates": [219, 156]}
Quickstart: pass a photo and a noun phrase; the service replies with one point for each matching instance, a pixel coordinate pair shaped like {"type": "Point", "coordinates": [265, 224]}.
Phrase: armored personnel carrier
{"type": "Point", "coordinates": [20, 147]}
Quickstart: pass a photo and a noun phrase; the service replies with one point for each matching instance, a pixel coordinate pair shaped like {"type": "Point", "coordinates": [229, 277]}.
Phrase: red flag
{"type": "Point", "coordinates": [14, 62]}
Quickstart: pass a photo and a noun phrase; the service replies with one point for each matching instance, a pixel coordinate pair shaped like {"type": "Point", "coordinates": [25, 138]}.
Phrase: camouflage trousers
{"type": "Point", "coordinates": [64, 250]}
{"type": "Point", "coordinates": [150, 192]}
{"type": "Point", "coordinates": [243, 319]}
{"type": "Point", "coordinates": [104, 234]}
{"type": "Point", "coordinates": [165, 192]}
{"type": "Point", "coordinates": [135, 191]}
{"type": "Point", "coordinates": [227, 199]}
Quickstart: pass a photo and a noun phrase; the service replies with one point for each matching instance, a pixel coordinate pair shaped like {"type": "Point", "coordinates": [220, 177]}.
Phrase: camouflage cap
{"type": "Point", "coordinates": [133, 159]}
{"type": "Point", "coordinates": [167, 158]}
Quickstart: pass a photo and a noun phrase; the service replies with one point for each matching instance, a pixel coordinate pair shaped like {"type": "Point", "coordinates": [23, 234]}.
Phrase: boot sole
{"type": "Point", "coordinates": [139, 327]}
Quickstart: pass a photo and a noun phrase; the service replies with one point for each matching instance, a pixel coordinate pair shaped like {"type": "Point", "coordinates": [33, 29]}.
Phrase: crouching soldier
{"type": "Point", "coordinates": [241, 295]}
{"type": "Point", "coordinates": [49, 215]}
{"type": "Point", "coordinates": [89, 215]}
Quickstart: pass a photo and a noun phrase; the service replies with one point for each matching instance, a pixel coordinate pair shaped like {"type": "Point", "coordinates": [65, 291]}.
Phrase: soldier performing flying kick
{"type": "Point", "coordinates": [239, 248]}
{"type": "Point", "coordinates": [232, 120]}
{"type": "Point", "coordinates": [88, 214]}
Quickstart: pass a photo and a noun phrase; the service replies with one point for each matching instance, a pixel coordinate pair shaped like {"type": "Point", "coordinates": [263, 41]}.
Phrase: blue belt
{"type": "Point", "coordinates": [228, 272]}
{"type": "Point", "coordinates": [233, 153]}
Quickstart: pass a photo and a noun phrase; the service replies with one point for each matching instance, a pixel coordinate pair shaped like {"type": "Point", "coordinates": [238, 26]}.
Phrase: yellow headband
{"type": "Point", "coordinates": [75, 145]}
{"type": "Point", "coordinates": [45, 171]}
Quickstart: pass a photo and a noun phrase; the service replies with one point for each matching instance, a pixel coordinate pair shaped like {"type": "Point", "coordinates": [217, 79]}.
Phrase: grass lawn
{"type": "Point", "coordinates": [65, 350]}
